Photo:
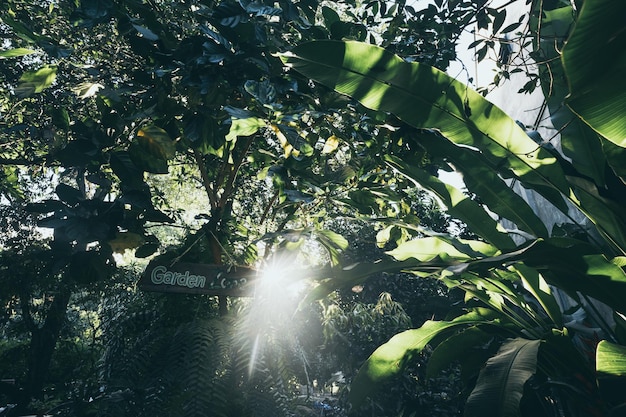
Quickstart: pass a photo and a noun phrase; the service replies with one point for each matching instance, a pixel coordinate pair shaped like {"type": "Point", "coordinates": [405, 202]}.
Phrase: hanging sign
{"type": "Point", "coordinates": [198, 279]}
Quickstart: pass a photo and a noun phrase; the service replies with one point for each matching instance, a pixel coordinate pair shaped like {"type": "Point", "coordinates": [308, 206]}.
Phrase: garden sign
{"type": "Point", "coordinates": [194, 278]}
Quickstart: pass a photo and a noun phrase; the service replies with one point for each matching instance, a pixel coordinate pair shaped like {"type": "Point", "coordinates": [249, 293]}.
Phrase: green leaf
{"type": "Point", "coordinates": [21, 30]}
{"type": "Point", "coordinates": [333, 242]}
{"type": "Point", "coordinates": [456, 348]}
{"type": "Point", "coordinates": [483, 181]}
{"type": "Point", "coordinates": [579, 142]}
{"type": "Point", "coordinates": [428, 248]}
{"type": "Point", "coordinates": [10, 183]}
{"type": "Point", "coordinates": [594, 59]}
{"type": "Point", "coordinates": [87, 89]}
{"type": "Point", "coordinates": [12, 53]}
{"type": "Point", "coordinates": [146, 33]}
{"type": "Point", "coordinates": [607, 215]}
{"type": "Point", "coordinates": [535, 284]}
{"type": "Point", "coordinates": [500, 384]}
{"type": "Point", "coordinates": [575, 266]}
{"type": "Point", "coordinates": [32, 82]}
{"type": "Point", "coordinates": [390, 359]}
{"type": "Point", "coordinates": [615, 155]}
{"type": "Point", "coordinates": [330, 16]}
{"type": "Point", "coordinates": [611, 374]}
{"type": "Point", "coordinates": [568, 264]}
{"type": "Point", "coordinates": [610, 359]}
{"type": "Point", "coordinates": [459, 204]}
{"type": "Point", "coordinates": [125, 240]}
{"type": "Point", "coordinates": [244, 127]}
{"type": "Point", "coordinates": [127, 171]}
{"type": "Point", "coordinates": [425, 97]}
{"type": "Point", "coordinates": [156, 141]}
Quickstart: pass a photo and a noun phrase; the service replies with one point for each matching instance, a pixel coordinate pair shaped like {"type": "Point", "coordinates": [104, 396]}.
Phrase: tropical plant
{"type": "Point", "coordinates": [516, 347]}
{"type": "Point", "coordinates": [99, 97]}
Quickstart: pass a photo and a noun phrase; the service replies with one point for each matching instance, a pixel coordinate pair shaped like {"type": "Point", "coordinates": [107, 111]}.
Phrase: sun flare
{"type": "Point", "coordinates": [278, 292]}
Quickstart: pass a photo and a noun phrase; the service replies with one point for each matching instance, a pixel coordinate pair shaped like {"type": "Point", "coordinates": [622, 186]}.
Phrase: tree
{"type": "Point", "coordinates": [512, 323]}
{"type": "Point", "coordinates": [100, 96]}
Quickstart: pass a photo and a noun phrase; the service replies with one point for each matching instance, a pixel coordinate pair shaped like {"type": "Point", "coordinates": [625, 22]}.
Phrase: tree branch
{"type": "Point", "coordinates": [228, 189]}
{"type": "Point", "coordinates": [206, 181]}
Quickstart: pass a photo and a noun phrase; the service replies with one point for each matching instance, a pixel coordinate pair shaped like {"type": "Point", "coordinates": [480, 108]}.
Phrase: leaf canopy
{"type": "Point", "coordinates": [594, 61]}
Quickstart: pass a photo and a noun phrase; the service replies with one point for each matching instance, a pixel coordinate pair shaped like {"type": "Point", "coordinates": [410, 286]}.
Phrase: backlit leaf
{"type": "Point", "coordinates": [12, 53]}
{"type": "Point", "coordinates": [610, 359]}
{"type": "Point", "coordinates": [425, 97]}
{"type": "Point", "coordinates": [244, 127]}
{"type": "Point", "coordinates": [428, 248]}
{"type": "Point", "coordinates": [32, 82]}
{"type": "Point", "coordinates": [390, 359]}
{"type": "Point", "coordinates": [330, 145]}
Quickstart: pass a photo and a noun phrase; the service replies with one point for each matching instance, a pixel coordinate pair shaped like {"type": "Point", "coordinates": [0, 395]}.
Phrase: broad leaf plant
{"type": "Point", "coordinates": [520, 354]}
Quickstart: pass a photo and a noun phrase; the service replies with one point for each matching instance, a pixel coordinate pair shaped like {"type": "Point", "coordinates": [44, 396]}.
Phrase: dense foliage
{"type": "Point", "coordinates": [523, 349]}
{"type": "Point", "coordinates": [136, 130]}
{"type": "Point", "coordinates": [111, 108]}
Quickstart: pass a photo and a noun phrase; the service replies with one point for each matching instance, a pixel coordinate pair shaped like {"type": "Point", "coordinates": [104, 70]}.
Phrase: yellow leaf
{"type": "Point", "coordinates": [331, 144]}
{"type": "Point", "coordinates": [287, 148]}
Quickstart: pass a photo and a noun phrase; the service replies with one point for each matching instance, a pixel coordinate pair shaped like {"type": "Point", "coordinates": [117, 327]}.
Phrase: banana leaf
{"type": "Point", "coordinates": [610, 360]}
{"type": "Point", "coordinates": [579, 142]}
{"type": "Point", "coordinates": [458, 348]}
{"type": "Point", "coordinates": [611, 374]}
{"type": "Point", "coordinates": [425, 97]}
{"type": "Point", "coordinates": [429, 248]}
{"type": "Point", "coordinates": [568, 264]}
{"type": "Point", "coordinates": [594, 59]}
{"type": "Point", "coordinates": [482, 180]}
{"type": "Point", "coordinates": [391, 358]}
{"type": "Point", "coordinates": [500, 384]}
{"type": "Point", "coordinates": [459, 204]}
{"type": "Point", "coordinates": [536, 285]}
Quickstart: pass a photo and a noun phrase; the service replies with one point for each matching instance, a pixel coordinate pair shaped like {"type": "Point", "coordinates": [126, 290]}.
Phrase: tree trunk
{"type": "Point", "coordinates": [42, 345]}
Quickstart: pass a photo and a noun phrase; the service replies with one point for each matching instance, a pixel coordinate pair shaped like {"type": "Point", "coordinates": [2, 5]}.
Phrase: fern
{"type": "Point", "coordinates": [159, 365]}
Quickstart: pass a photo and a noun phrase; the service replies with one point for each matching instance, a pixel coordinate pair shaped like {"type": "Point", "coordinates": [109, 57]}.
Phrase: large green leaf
{"type": "Point", "coordinates": [611, 359]}
{"type": "Point", "coordinates": [425, 97]}
{"type": "Point", "coordinates": [535, 284]}
{"type": "Point", "coordinates": [390, 359]}
{"type": "Point", "coordinates": [576, 267]}
{"type": "Point", "coordinates": [588, 152]}
{"type": "Point", "coordinates": [428, 248]}
{"type": "Point", "coordinates": [611, 374]}
{"type": "Point", "coordinates": [607, 215]}
{"type": "Point", "coordinates": [578, 141]}
{"type": "Point", "coordinates": [482, 180]}
{"type": "Point", "coordinates": [244, 127]}
{"type": "Point", "coordinates": [594, 59]}
{"type": "Point", "coordinates": [458, 203]}
{"type": "Point", "coordinates": [500, 384]}
{"type": "Point", "coordinates": [615, 156]}
{"type": "Point", "coordinates": [152, 149]}
{"type": "Point", "coordinates": [12, 53]}
{"type": "Point", "coordinates": [457, 348]}
{"type": "Point", "coordinates": [568, 264]}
